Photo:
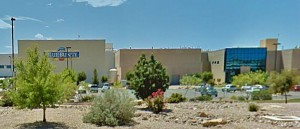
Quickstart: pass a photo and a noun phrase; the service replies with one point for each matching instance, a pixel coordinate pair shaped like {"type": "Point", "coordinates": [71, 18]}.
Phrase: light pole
{"type": "Point", "coordinates": [12, 45]}
{"type": "Point", "coordinates": [68, 56]}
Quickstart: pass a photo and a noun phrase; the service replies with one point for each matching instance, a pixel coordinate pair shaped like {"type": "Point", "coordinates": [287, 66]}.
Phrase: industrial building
{"type": "Point", "coordinates": [79, 55]}
{"type": "Point", "coordinates": [87, 55]}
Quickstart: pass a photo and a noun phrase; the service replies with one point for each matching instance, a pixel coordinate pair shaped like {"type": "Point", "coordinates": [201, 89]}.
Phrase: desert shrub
{"type": "Point", "coordinates": [233, 97]}
{"type": "Point", "coordinates": [261, 95]}
{"type": "Point", "coordinates": [6, 100]}
{"type": "Point", "coordinates": [202, 98]}
{"type": "Point", "coordinates": [176, 98]}
{"type": "Point", "coordinates": [156, 101]}
{"type": "Point", "coordinates": [88, 98]}
{"type": "Point", "coordinates": [253, 107]}
{"type": "Point", "coordinates": [113, 108]}
{"type": "Point", "coordinates": [241, 98]}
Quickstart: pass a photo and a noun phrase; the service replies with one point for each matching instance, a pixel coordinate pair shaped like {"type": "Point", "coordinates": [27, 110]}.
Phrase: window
{"type": "Point", "coordinates": [1, 66]}
{"type": "Point", "coordinates": [8, 66]}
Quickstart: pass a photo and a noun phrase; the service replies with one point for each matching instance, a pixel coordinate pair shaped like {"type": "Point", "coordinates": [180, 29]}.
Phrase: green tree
{"type": "Point", "coordinates": [81, 77]}
{"type": "Point", "coordinates": [190, 80]}
{"type": "Point", "coordinates": [250, 78]}
{"type": "Point", "coordinates": [95, 78]}
{"type": "Point", "coordinates": [6, 83]}
{"type": "Point", "coordinates": [69, 73]}
{"type": "Point", "coordinates": [104, 79]}
{"type": "Point", "coordinates": [282, 82]}
{"type": "Point", "coordinates": [207, 77]}
{"type": "Point", "coordinates": [37, 86]}
{"type": "Point", "coordinates": [148, 77]}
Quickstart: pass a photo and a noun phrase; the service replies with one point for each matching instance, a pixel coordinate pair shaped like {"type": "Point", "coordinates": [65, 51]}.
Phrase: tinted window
{"type": "Point", "coordinates": [255, 58]}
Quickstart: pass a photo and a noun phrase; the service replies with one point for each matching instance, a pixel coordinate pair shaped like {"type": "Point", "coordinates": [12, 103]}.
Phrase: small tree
{"type": "Point", "coordinates": [104, 79]}
{"type": "Point", "coordinates": [250, 78]}
{"type": "Point", "coordinates": [206, 77]}
{"type": "Point", "coordinates": [148, 77]}
{"type": "Point", "coordinates": [6, 83]}
{"type": "Point", "coordinates": [95, 78]}
{"type": "Point", "coordinates": [282, 82]}
{"type": "Point", "coordinates": [190, 80]}
{"type": "Point", "coordinates": [37, 86]}
{"type": "Point", "coordinates": [69, 73]}
{"type": "Point", "coordinates": [81, 77]}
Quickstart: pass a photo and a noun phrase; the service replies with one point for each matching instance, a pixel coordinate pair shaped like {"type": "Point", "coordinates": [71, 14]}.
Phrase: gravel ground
{"type": "Point", "coordinates": [187, 115]}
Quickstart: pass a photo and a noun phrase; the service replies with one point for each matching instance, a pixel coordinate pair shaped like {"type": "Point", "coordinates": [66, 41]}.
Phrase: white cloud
{"type": "Point", "coordinates": [50, 4]}
{"type": "Point", "coordinates": [4, 25]}
{"type": "Point", "coordinates": [102, 3]}
{"type": "Point", "coordinates": [21, 18]}
{"type": "Point", "coordinates": [60, 20]}
{"type": "Point", "coordinates": [42, 37]}
{"type": "Point", "coordinates": [7, 46]}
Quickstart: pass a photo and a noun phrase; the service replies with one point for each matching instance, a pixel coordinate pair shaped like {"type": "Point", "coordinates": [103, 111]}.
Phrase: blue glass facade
{"type": "Point", "coordinates": [255, 58]}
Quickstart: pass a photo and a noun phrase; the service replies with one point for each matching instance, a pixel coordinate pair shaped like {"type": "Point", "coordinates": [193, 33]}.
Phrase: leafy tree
{"type": "Point", "coordinates": [207, 77]}
{"type": "Point", "coordinates": [250, 78]}
{"type": "Point", "coordinates": [6, 83]}
{"type": "Point", "coordinates": [282, 82]}
{"type": "Point", "coordinates": [69, 73]}
{"type": "Point", "coordinates": [148, 77]}
{"type": "Point", "coordinates": [81, 77]}
{"type": "Point", "coordinates": [104, 79]}
{"type": "Point", "coordinates": [190, 80]}
{"type": "Point", "coordinates": [37, 86]}
{"type": "Point", "coordinates": [95, 78]}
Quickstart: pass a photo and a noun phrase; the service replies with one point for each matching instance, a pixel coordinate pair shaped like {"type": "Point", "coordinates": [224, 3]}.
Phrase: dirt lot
{"type": "Point", "coordinates": [187, 115]}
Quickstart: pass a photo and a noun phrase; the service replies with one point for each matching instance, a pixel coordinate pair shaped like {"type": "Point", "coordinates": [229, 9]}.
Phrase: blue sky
{"type": "Point", "coordinates": [206, 24]}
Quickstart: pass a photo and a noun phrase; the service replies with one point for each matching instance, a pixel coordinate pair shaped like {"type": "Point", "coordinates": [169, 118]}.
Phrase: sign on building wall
{"type": "Point", "coordinates": [62, 53]}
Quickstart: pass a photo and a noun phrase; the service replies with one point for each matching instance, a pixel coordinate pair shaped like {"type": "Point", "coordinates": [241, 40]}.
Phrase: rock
{"type": "Point", "coordinates": [137, 114]}
{"type": "Point", "coordinates": [144, 118]}
{"type": "Point", "coordinates": [213, 122]}
{"type": "Point", "coordinates": [202, 114]}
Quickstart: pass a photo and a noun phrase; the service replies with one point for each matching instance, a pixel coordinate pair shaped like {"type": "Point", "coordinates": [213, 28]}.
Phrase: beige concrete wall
{"type": "Point", "coordinates": [270, 62]}
{"type": "Point", "coordinates": [269, 44]}
{"type": "Point", "coordinates": [205, 62]}
{"type": "Point", "coordinates": [287, 59]}
{"type": "Point", "coordinates": [5, 62]}
{"type": "Point", "coordinates": [178, 62]}
{"type": "Point", "coordinates": [295, 59]}
{"type": "Point", "coordinates": [92, 54]}
{"type": "Point", "coordinates": [216, 60]}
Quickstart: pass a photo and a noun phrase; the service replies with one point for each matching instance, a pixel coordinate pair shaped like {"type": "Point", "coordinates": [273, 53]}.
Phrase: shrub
{"type": "Point", "coordinates": [241, 98]}
{"type": "Point", "coordinates": [88, 98]}
{"type": "Point", "coordinates": [261, 95]}
{"type": "Point", "coordinates": [202, 98]}
{"type": "Point", "coordinates": [113, 108]}
{"type": "Point", "coordinates": [253, 107]}
{"type": "Point", "coordinates": [6, 100]}
{"type": "Point", "coordinates": [156, 101]}
{"type": "Point", "coordinates": [233, 97]}
{"type": "Point", "coordinates": [176, 98]}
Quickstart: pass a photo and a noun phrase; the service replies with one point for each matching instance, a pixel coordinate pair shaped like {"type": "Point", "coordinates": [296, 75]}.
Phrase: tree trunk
{"type": "Point", "coordinates": [44, 113]}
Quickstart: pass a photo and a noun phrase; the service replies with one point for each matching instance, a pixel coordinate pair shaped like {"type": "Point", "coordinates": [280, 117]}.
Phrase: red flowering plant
{"type": "Point", "coordinates": [156, 101]}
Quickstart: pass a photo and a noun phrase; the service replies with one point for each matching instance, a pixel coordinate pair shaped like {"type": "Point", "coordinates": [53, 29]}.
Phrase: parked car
{"type": "Point", "coordinates": [245, 88]}
{"type": "Point", "coordinates": [253, 89]}
{"type": "Point", "coordinates": [261, 87]}
{"type": "Point", "coordinates": [207, 90]}
{"type": "Point", "coordinates": [296, 88]}
{"type": "Point", "coordinates": [106, 86]}
{"type": "Point", "coordinates": [93, 88]}
{"type": "Point", "coordinates": [229, 88]}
